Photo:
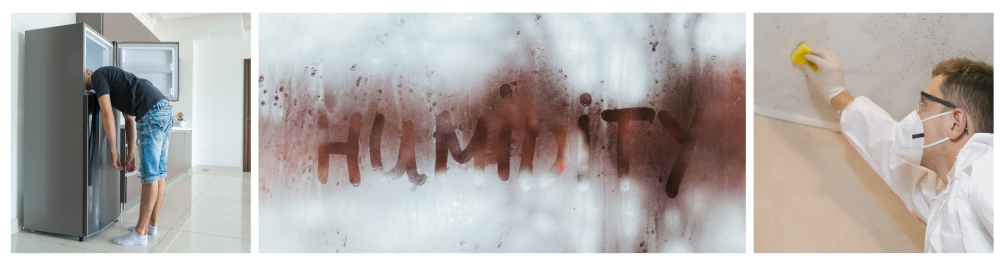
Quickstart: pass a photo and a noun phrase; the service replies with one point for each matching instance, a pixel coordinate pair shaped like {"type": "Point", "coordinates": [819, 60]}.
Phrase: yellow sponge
{"type": "Point", "coordinates": [799, 54]}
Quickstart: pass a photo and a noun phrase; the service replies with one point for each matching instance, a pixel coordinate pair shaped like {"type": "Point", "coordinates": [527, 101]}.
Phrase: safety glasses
{"type": "Point", "coordinates": [924, 106]}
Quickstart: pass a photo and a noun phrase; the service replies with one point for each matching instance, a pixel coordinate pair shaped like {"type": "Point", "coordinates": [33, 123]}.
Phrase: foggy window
{"type": "Point", "coordinates": [502, 132]}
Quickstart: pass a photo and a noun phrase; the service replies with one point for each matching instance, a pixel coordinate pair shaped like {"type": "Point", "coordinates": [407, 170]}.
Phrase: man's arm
{"type": "Point", "coordinates": [108, 119]}
{"type": "Point", "coordinates": [841, 101]}
{"type": "Point", "coordinates": [870, 130]}
{"type": "Point", "coordinates": [130, 140]}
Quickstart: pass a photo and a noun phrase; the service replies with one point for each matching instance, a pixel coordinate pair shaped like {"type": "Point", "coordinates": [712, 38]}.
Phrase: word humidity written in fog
{"type": "Point", "coordinates": [491, 144]}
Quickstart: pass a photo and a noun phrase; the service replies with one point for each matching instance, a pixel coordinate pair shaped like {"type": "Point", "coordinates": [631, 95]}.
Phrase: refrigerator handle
{"type": "Point", "coordinates": [91, 139]}
{"type": "Point", "coordinates": [114, 53]}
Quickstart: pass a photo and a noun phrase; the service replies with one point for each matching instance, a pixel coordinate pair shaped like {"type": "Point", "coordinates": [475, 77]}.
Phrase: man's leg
{"type": "Point", "coordinates": [149, 147]}
{"type": "Point", "coordinates": [146, 202]}
{"type": "Point", "coordinates": [162, 188]}
{"type": "Point", "coordinates": [162, 170]}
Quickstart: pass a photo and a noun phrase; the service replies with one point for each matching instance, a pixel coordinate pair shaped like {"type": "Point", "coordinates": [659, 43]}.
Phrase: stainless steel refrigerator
{"type": "Point", "coordinates": [70, 186]}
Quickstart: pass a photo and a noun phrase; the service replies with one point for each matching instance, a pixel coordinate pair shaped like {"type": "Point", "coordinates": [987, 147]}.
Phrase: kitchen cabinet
{"type": "Point", "coordinates": [125, 27]}
{"type": "Point", "coordinates": [94, 20]}
{"type": "Point", "coordinates": [179, 154]}
{"type": "Point", "coordinates": [117, 26]}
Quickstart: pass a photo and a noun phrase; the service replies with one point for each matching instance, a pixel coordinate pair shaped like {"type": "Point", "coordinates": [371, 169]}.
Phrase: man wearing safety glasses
{"type": "Point", "coordinates": [939, 159]}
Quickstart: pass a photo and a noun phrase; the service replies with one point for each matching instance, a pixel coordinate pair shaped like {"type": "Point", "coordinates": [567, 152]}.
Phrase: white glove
{"type": "Point", "coordinates": [830, 77]}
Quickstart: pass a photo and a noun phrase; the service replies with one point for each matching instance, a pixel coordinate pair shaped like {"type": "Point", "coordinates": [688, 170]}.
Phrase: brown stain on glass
{"type": "Point", "coordinates": [622, 117]}
{"type": "Point", "coordinates": [687, 143]}
{"type": "Point", "coordinates": [348, 148]}
{"type": "Point", "coordinates": [407, 160]}
{"type": "Point", "coordinates": [528, 146]}
{"type": "Point", "coordinates": [483, 148]}
{"type": "Point", "coordinates": [493, 131]}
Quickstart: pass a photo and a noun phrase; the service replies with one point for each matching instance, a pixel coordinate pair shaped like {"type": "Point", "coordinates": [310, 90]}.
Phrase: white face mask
{"type": "Point", "coordinates": [910, 137]}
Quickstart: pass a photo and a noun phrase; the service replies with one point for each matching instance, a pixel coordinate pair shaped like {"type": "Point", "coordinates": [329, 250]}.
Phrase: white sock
{"type": "Point", "coordinates": [131, 238]}
{"type": "Point", "coordinates": [151, 231]}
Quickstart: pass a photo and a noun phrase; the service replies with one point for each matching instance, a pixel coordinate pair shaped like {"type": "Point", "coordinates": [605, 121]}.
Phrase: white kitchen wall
{"type": "Point", "coordinates": [18, 24]}
{"type": "Point", "coordinates": [185, 103]}
{"type": "Point", "coordinates": [886, 57]}
{"type": "Point", "coordinates": [218, 103]}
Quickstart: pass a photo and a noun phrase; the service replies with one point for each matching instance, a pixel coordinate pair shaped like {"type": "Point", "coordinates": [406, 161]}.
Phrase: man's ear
{"type": "Point", "coordinates": [959, 123]}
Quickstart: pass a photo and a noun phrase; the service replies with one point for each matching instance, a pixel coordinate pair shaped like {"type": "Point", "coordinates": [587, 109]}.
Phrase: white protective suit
{"type": "Point", "coordinates": [959, 216]}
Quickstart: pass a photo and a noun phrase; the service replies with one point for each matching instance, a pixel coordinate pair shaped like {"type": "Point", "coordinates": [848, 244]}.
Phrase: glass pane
{"type": "Point", "coordinates": [502, 133]}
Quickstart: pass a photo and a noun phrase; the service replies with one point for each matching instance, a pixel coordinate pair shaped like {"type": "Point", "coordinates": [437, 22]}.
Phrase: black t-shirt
{"type": "Point", "coordinates": [131, 95]}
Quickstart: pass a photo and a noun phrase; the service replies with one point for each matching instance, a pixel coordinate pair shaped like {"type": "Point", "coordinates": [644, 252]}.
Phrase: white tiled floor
{"type": "Point", "coordinates": [207, 212]}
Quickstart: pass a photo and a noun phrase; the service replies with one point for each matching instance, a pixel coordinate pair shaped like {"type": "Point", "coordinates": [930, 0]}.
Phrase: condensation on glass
{"type": "Point", "coordinates": [502, 133]}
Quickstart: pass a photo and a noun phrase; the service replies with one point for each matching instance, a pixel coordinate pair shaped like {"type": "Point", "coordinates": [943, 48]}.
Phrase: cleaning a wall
{"type": "Point", "coordinates": [883, 55]}
{"type": "Point", "coordinates": [873, 133]}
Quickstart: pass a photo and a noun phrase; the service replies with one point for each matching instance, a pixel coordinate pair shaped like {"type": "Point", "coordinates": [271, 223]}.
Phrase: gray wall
{"type": "Point", "coordinates": [94, 20]}
{"type": "Point", "coordinates": [125, 27]}
{"type": "Point", "coordinates": [886, 57]}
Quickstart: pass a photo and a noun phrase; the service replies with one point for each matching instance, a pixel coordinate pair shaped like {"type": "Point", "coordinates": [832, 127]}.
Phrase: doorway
{"type": "Point", "coordinates": [246, 115]}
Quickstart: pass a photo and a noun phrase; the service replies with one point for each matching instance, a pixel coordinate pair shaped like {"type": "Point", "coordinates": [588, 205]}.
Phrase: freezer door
{"type": "Point", "coordinates": [98, 50]}
{"type": "Point", "coordinates": [103, 186]}
{"type": "Point", "coordinates": [154, 61]}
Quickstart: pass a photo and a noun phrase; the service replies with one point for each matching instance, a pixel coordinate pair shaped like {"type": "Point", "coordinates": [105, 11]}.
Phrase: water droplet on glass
{"type": "Point", "coordinates": [319, 202]}
{"type": "Point", "coordinates": [713, 57]}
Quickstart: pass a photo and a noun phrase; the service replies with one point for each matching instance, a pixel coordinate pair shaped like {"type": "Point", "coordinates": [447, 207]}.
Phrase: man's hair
{"type": "Point", "coordinates": [969, 85]}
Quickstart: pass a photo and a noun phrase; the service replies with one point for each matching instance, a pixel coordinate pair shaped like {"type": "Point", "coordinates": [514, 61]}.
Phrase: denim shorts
{"type": "Point", "coordinates": [154, 138]}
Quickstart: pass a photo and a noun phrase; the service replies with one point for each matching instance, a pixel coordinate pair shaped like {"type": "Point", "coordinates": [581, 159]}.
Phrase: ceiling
{"type": "Point", "coordinates": [197, 26]}
{"type": "Point", "coordinates": [171, 16]}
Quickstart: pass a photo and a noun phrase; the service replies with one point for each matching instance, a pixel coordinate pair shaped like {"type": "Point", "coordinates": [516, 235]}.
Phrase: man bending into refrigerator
{"type": "Point", "coordinates": [138, 100]}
